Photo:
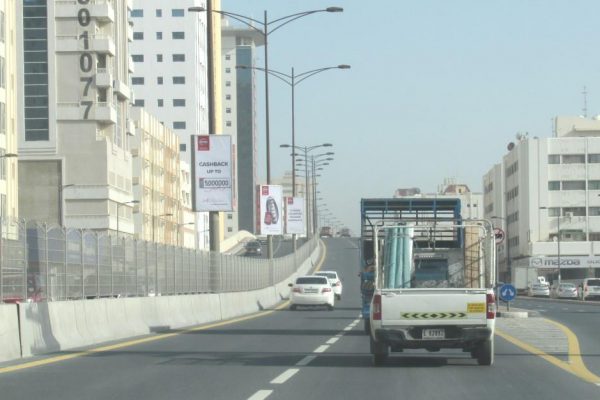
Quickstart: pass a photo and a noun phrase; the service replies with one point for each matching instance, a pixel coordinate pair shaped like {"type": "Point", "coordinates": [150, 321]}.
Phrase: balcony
{"type": "Point", "coordinates": [130, 65]}
{"type": "Point", "coordinates": [97, 44]}
{"type": "Point", "coordinates": [130, 127]}
{"type": "Point", "coordinates": [121, 89]}
{"type": "Point", "coordinates": [104, 78]}
{"type": "Point", "coordinates": [100, 10]}
{"type": "Point", "coordinates": [100, 112]}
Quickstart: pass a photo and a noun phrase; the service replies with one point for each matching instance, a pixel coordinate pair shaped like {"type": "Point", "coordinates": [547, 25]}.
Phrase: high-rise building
{"type": "Point", "coordinates": [169, 50]}
{"type": "Point", "coordinates": [74, 158]}
{"type": "Point", "coordinates": [239, 118]}
{"type": "Point", "coordinates": [549, 200]}
{"type": "Point", "coordinates": [8, 111]}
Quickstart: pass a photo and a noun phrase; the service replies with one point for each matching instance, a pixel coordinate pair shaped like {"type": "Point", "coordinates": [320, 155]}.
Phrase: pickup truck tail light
{"type": "Point", "coordinates": [377, 307]}
{"type": "Point", "coordinates": [491, 306]}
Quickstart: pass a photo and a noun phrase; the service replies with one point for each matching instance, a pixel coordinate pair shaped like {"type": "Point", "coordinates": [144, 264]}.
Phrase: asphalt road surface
{"type": "Point", "coordinates": [282, 354]}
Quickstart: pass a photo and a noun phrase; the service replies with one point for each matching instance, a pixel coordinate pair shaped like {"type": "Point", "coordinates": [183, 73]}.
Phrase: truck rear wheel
{"type": "Point", "coordinates": [485, 352]}
{"type": "Point", "coordinates": [380, 352]}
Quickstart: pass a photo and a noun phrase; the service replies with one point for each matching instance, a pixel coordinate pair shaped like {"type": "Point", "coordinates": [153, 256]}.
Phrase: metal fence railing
{"type": "Point", "coordinates": [42, 262]}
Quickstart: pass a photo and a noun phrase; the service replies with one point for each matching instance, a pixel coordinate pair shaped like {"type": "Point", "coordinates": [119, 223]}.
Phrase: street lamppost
{"type": "Point", "coordinates": [293, 80]}
{"type": "Point", "coordinates": [179, 228]}
{"type": "Point", "coordinates": [153, 224]}
{"type": "Point", "coordinates": [266, 28]}
{"type": "Point", "coordinates": [306, 150]}
{"type": "Point", "coordinates": [558, 239]}
{"type": "Point", "coordinates": [316, 164]}
{"type": "Point", "coordinates": [508, 261]}
{"type": "Point", "coordinates": [118, 211]}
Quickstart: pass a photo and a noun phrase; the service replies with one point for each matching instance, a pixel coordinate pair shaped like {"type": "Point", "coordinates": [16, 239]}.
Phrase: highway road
{"type": "Point", "coordinates": [282, 354]}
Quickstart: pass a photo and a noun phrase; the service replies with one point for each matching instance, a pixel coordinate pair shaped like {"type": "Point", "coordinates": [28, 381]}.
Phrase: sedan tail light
{"type": "Point", "coordinates": [297, 290]}
{"type": "Point", "coordinates": [325, 290]}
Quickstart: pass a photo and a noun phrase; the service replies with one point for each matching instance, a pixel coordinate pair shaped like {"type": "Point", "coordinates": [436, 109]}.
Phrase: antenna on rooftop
{"type": "Point", "coordinates": [584, 101]}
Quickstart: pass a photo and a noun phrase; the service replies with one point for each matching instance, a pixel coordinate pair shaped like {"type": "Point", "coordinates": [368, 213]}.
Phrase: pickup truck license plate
{"type": "Point", "coordinates": [433, 334]}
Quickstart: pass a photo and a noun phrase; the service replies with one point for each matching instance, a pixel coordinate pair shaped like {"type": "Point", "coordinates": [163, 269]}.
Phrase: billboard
{"type": "Point", "coordinates": [213, 184]}
{"type": "Point", "coordinates": [294, 215]}
{"type": "Point", "coordinates": [271, 211]}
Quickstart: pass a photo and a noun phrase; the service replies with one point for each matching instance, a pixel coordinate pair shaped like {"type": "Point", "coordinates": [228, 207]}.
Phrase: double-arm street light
{"type": "Point", "coordinates": [293, 80]}
{"type": "Point", "coordinates": [306, 150]}
{"type": "Point", "coordinates": [265, 28]}
{"type": "Point", "coordinates": [153, 223]}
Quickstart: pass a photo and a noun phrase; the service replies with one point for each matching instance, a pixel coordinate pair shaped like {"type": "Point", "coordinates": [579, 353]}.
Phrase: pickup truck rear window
{"type": "Point", "coordinates": [593, 282]}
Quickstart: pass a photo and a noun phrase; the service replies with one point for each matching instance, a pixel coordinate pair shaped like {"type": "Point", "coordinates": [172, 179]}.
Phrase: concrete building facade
{"type": "Point", "coordinates": [9, 207]}
{"type": "Point", "coordinates": [74, 155]}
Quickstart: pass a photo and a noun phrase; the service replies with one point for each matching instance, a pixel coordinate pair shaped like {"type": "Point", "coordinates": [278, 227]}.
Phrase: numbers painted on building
{"type": "Point", "coordinates": [86, 58]}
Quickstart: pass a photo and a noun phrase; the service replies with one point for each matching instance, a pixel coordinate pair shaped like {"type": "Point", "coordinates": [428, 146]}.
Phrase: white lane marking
{"type": "Point", "coordinates": [340, 334]}
{"type": "Point", "coordinates": [332, 340]}
{"type": "Point", "coordinates": [260, 395]}
{"type": "Point", "coordinates": [321, 349]}
{"type": "Point", "coordinates": [285, 376]}
{"type": "Point", "coordinates": [348, 328]}
{"type": "Point", "coordinates": [305, 361]}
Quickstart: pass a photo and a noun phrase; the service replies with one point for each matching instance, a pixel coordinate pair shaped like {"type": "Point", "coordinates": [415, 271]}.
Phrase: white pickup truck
{"type": "Point", "coordinates": [433, 297]}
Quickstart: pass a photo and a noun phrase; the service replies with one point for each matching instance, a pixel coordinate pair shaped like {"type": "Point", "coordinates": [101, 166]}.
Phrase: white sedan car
{"type": "Point", "coordinates": [311, 291]}
{"type": "Point", "coordinates": [539, 289]}
{"type": "Point", "coordinates": [334, 280]}
{"type": "Point", "coordinates": [566, 291]}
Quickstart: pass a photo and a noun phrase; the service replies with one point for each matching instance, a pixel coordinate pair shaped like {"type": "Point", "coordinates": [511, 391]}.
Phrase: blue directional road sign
{"type": "Point", "coordinates": [508, 292]}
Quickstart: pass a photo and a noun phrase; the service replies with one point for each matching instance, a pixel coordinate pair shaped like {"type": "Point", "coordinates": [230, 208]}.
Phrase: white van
{"type": "Point", "coordinates": [590, 288]}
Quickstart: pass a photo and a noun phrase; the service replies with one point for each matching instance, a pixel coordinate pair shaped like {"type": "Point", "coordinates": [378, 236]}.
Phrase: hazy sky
{"type": "Point", "coordinates": [437, 88]}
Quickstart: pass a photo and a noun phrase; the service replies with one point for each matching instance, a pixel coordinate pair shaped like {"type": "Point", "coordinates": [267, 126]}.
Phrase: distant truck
{"type": "Point", "coordinates": [430, 277]}
{"type": "Point", "coordinates": [345, 232]}
{"type": "Point", "coordinates": [523, 278]}
{"type": "Point", "coordinates": [326, 231]}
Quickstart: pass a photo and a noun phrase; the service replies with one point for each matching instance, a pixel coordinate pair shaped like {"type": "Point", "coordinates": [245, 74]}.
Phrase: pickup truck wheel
{"type": "Point", "coordinates": [293, 307]}
{"type": "Point", "coordinates": [380, 352]}
{"type": "Point", "coordinates": [485, 353]}
{"type": "Point", "coordinates": [367, 326]}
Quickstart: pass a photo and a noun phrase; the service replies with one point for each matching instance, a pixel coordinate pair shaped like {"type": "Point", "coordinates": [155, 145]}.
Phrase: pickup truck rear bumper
{"type": "Point", "coordinates": [411, 337]}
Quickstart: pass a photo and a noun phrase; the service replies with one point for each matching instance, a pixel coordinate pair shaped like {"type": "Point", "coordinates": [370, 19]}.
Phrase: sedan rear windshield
{"type": "Point", "coordinates": [311, 280]}
{"type": "Point", "coordinates": [567, 285]}
{"type": "Point", "coordinates": [329, 275]}
{"type": "Point", "coordinates": [593, 282]}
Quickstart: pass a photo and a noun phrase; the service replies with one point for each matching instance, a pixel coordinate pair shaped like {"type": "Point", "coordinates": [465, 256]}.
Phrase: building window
{"type": "Point", "coordinates": [178, 102]}
{"type": "Point", "coordinates": [2, 72]}
{"type": "Point", "coordinates": [512, 168]}
{"type": "Point", "coordinates": [227, 123]}
{"type": "Point", "coordinates": [228, 70]}
{"type": "Point", "coordinates": [594, 211]}
{"type": "Point", "coordinates": [553, 158]}
{"type": "Point", "coordinates": [230, 229]}
{"type": "Point", "coordinates": [138, 80]}
{"type": "Point", "coordinates": [573, 185]}
{"type": "Point", "coordinates": [159, 58]}
{"type": "Point", "coordinates": [573, 159]}
{"type": "Point", "coordinates": [178, 124]}
{"type": "Point", "coordinates": [139, 103]}
{"type": "Point", "coordinates": [594, 237]}
{"type": "Point", "coordinates": [594, 158]}
{"type": "Point", "coordinates": [137, 13]}
{"type": "Point", "coordinates": [178, 35]}
{"type": "Point", "coordinates": [178, 57]}
{"type": "Point", "coordinates": [553, 211]}
{"type": "Point", "coordinates": [227, 83]}
{"type": "Point", "coordinates": [179, 80]}
{"type": "Point", "coordinates": [227, 97]}
{"type": "Point", "coordinates": [138, 35]}
{"type": "Point", "coordinates": [160, 103]}
{"type": "Point", "coordinates": [159, 80]}
{"type": "Point", "coordinates": [574, 211]}
{"type": "Point", "coordinates": [158, 35]}
{"type": "Point", "coordinates": [182, 147]}
{"type": "Point", "coordinates": [159, 12]}
{"type": "Point", "coordinates": [228, 56]}
{"type": "Point", "coordinates": [554, 185]}
{"type": "Point", "coordinates": [594, 185]}
{"type": "Point", "coordinates": [137, 57]}
{"type": "Point", "coordinates": [228, 110]}
{"type": "Point", "coordinates": [177, 12]}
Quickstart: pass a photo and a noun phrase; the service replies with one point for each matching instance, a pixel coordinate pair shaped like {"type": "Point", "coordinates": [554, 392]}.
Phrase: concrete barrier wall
{"type": "Point", "coordinates": [10, 347]}
{"type": "Point", "coordinates": [63, 325]}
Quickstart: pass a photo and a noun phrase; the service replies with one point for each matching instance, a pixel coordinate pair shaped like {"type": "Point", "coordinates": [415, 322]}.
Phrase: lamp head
{"type": "Point", "coordinates": [196, 9]}
{"type": "Point", "coordinates": [343, 66]}
{"type": "Point", "coordinates": [334, 9]}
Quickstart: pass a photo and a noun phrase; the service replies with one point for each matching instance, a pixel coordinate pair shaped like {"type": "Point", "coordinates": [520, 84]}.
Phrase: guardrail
{"type": "Point", "coordinates": [43, 262]}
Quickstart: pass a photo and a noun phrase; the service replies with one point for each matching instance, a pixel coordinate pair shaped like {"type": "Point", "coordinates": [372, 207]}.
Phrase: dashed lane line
{"type": "Point", "coordinates": [285, 376]}
{"type": "Point", "coordinates": [260, 395]}
{"type": "Point", "coordinates": [305, 361]}
{"type": "Point", "coordinates": [332, 340]}
{"type": "Point", "coordinates": [321, 349]}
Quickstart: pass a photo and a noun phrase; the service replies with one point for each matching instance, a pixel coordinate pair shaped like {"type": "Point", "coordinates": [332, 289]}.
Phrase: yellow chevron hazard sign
{"type": "Point", "coordinates": [434, 315]}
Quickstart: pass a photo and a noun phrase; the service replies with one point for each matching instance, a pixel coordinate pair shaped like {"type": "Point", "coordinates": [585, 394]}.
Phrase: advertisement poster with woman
{"type": "Point", "coordinates": [271, 210]}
